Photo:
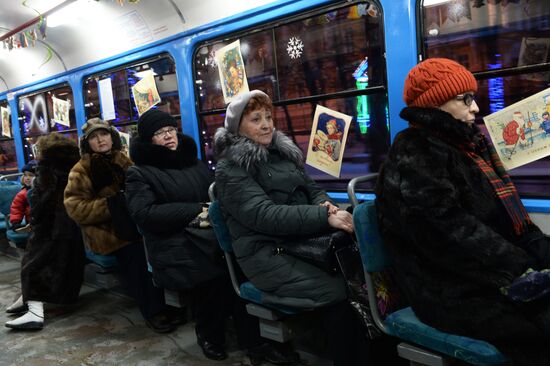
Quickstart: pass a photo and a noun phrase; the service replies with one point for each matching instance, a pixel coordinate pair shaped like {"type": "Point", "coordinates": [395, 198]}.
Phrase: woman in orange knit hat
{"type": "Point", "coordinates": [454, 222]}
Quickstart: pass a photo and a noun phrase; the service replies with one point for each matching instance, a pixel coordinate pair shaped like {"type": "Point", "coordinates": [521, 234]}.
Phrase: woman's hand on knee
{"type": "Point", "coordinates": [341, 220]}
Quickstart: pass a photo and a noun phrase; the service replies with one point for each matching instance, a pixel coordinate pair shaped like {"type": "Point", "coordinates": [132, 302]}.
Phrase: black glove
{"type": "Point", "coordinates": [16, 225]}
{"type": "Point", "coordinates": [102, 173]}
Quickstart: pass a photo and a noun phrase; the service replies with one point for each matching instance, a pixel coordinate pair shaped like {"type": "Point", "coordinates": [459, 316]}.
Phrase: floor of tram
{"type": "Point", "coordinates": [103, 328]}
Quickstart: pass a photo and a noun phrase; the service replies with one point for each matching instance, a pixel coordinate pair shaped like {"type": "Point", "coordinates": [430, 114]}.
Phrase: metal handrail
{"type": "Point", "coordinates": [352, 183]}
{"type": "Point", "coordinates": [7, 176]}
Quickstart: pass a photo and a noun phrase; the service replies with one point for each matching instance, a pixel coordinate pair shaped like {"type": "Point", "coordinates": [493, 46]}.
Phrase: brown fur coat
{"type": "Point", "coordinates": [88, 206]}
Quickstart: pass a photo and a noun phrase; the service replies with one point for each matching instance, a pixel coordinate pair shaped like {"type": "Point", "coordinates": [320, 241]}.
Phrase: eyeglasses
{"type": "Point", "coordinates": [467, 98]}
{"type": "Point", "coordinates": [161, 133]}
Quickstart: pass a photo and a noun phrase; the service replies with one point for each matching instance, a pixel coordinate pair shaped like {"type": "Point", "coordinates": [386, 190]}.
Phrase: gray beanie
{"type": "Point", "coordinates": [236, 107]}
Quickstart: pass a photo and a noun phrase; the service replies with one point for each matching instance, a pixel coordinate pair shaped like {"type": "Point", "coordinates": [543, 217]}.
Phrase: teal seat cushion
{"type": "Point", "coordinates": [8, 190]}
{"type": "Point", "coordinates": [106, 261]}
{"type": "Point", "coordinates": [220, 228]}
{"type": "Point", "coordinates": [20, 239]}
{"type": "Point", "coordinates": [250, 292]}
{"type": "Point", "coordinates": [405, 325]}
{"type": "Point", "coordinates": [373, 252]}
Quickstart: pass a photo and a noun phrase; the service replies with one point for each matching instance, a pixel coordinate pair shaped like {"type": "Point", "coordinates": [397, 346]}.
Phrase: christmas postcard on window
{"type": "Point", "coordinates": [521, 131]}
{"type": "Point", "coordinates": [61, 111]}
{"type": "Point", "coordinates": [232, 72]}
{"type": "Point", "coordinates": [327, 142]}
{"type": "Point", "coordinates": [5, 113]}
{"type": "Point", "coordinates": [145, 93]}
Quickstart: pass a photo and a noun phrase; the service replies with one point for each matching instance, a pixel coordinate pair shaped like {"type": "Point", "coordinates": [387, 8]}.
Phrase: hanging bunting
{"type": "Point", "coordinates": [42, 27]}
{"type": "Point", "coordinates": [33, 36]}
{"type": "Point", "coordinates": [23, 40]}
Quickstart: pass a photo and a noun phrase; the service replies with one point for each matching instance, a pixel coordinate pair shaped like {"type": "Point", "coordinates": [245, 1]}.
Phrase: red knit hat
{"type": "Point", "coordinates": [434, 81]}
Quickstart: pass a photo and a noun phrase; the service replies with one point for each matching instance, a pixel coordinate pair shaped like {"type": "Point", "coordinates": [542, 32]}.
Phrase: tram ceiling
{"type": "Point", "coordinates": [79, 32]}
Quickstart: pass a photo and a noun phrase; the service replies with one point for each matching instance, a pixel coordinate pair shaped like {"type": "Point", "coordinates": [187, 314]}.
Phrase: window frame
{"type": "Point", "coordinates": [50, 131]}
{"type": "Point", "coordinates": [482, 75]}
{"type": "Point", "coordinates": [271, 26]}
{"type": "Point", "coordinates": [107, 72]}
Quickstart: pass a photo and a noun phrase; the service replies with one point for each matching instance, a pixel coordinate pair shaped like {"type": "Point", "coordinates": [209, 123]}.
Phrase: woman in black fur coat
{"type": "Point", "coordinates": [454, 222]}
{"type": "Point", "coordinates": [53, 265]}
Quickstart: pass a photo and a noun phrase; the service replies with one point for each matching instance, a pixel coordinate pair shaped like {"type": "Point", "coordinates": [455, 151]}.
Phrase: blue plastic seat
{"type": "Point", "coordinates": [8, 190]}
{"type": "Point", "coordinates": [403, 323]}
{"type": "Point", "coordinates": [105, 261]}
{"type": "Point", "coordinates": [245, 289]}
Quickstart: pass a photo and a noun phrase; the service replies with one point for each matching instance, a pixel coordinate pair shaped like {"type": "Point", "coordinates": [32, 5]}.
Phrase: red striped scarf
{"type": "Point", "coordinates": [501, 182]}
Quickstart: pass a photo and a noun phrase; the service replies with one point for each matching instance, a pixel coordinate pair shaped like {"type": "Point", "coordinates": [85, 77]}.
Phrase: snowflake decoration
{"type": "Point", "coordinates": [295, 47]}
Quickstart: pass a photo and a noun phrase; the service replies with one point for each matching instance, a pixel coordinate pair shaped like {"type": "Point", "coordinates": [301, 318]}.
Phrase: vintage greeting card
{"type": "Point", "coordinates": [521, 132]}
{"type": "Point", "coordinates": [6, 123]}
{"type": "Point", "coordinates": [232, 72]}
{"type": "Point", "coordinates": [61, 111]}
{"type": "Point", "coordinates": [328, 140]}
{"type": "Point", "coordinates": [145, 93]}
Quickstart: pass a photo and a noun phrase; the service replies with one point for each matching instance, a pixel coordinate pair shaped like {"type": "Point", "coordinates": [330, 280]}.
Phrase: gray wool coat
{"type": "Point", "coordinates": [267, 197]}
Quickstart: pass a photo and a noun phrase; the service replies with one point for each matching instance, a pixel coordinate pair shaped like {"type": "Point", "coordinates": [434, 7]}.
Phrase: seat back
{"type": "Point", "coordinates": [222, 234]}
{"type": "Point", "coordinates": [373, 252]}
{"type": "Point", "coordinates": [220, 228]}
{"type": "Point", "coordinates": [8, 191]}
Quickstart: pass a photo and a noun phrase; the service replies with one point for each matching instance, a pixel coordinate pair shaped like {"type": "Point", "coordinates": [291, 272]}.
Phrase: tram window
{"type": "Point", "coordinates": [8, 158]}
{"type": "Point", "coordinates": [366, 145]}
{"type": "Point", "coordinates": [507, 47]}
{"type": "Point", "coordinates": [337, 50]}
{"type": "Point", "coordinates": [121, 82]}
{"type": "Point", "coordinates": [333, 45]}
{"type": "Point", "coordinates": [258, 56]}
{"type": "Point", "coordinates": [45, 112]}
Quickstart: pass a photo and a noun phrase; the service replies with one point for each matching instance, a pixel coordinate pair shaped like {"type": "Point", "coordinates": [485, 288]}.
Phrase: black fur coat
{"type": "Point", "coordinates": [452, 242]}
{"type": "Point", "coordinates": [164, 191]}
{"type": "Point", "coordinates": [53, 264]}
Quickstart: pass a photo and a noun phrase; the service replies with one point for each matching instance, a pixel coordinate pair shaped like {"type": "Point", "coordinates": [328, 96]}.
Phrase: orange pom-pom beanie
{"type": "Point", "coordinates": [434, 81]}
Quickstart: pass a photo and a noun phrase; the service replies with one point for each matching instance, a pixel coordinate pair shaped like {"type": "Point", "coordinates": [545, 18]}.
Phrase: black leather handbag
{"type": "Point", "coordinates": [318, 250]}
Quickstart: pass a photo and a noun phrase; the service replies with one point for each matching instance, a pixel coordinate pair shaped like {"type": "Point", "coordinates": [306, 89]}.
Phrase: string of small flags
{"type": "Point", "coordinates": [26, 37]}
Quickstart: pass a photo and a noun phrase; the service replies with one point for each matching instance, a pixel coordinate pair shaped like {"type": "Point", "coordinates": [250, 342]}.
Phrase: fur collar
{"type": "Point", "coordinates": [245, 153]}
{"type": "Point", "coordinates": [442, 124]}
{"type": "Point", "coordinates": [146, 153]}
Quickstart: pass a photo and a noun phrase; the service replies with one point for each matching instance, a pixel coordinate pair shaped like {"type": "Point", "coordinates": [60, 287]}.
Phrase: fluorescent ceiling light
{"type": "Point", "coordinates": [427, 3]}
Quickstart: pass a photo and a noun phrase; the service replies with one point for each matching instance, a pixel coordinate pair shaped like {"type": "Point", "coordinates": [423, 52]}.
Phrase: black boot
{"type": "Point", "coordinates": [277, 354]}
{"type": "Point", "coordinates": [211, 350]}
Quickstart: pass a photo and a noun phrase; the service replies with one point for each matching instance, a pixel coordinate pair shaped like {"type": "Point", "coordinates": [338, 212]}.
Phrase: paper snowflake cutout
{"type": "Point", "coordinates": [295, 47]}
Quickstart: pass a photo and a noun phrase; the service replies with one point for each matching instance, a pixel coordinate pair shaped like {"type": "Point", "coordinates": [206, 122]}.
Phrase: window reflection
{"type": "Point", "coordinates": [327, 53]}
{"type": "Point", "coordinates": [366, 146]}
{"type": "Point", "coordinates": [333, 44]}
{"type": "Point", "coordinates": [121, 82]}
{"type": "Point", "coordinates": [38, 117]}
{"type": "Point", "coordinates": [490, 36]}
{"type": "Point", "coordinates": [8, 157]}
